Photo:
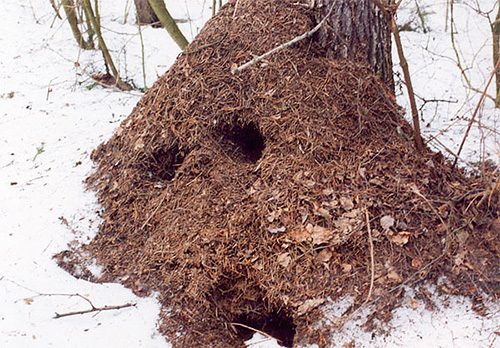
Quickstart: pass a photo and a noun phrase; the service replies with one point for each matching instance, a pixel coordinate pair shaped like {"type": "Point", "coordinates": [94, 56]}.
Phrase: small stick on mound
{"type": "Point", "coordinates": [372, 268]}
{"type": "Point", "coordinates": [256, 330]}
{"type": "Point", "coordinates": [238, 69]}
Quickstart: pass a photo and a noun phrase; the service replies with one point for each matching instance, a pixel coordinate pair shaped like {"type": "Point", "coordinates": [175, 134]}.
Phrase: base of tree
{"type": "Point", "coordinates": [247, 200]}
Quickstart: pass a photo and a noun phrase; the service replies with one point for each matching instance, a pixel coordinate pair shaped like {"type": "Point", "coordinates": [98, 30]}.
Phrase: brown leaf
{"type": "Point", "coordinates": [346, 203]}
{"type": "Point", "coordinates": [394, 276]}
{"type": "Point", "coordinates": [300, 235]}
{"type": "Point", "coordinates": [320, 235]}
{"type": "Point", "coordinates": [322, 212]}
{"type": "Point", "coordinates": [416, 263]}
{"type": "Point", "coordinates": [413, 303]}
{"type": "Point", "coordinates": [308, 305]}
{"type": "Point", "coordinates": [400, 239]}
{"type": "Point", "coordinates": [28, 301]}
{"type": "Point", "coordinates": [284, 259]}
{"type": "Point", "coordinates": [324, 255]}
{"type": "Point", "coordinates": [328, 191]}
{"type": "Point", "coordinates": [346, 267]}
{"type": "Point", "coordinates": [139, 144]}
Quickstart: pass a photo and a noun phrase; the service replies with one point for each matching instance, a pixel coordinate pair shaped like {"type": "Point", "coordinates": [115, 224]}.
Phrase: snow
{"type": "Point", "coordinates": [52, 116]}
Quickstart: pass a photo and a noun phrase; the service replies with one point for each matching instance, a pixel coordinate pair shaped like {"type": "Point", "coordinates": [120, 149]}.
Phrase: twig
{"type": "Point", "coordinates": [372, 268]}
{"type": "Point", "coordinates": [56, 9]}
{"type": "Point", "coordinates": [470, 165]}
{"type": "Point", "coordinates": [236, 8]}
{"type": "Point", "coordinates": [154, 212]}
{"type": "Point", "coordinates": [93, 309]}
{"type": "Point", "coordinates": [310, 33]}
{"type": "Point", "coordinates": [61, 315]}
{"type": "Point", "coordinates": [205, 46]}
{"type": "Point", "coordinates": [143, 60]}
{"type": "Point", "coordinates": [415, 190]}
{"type": "Point", "coordinates": [497, 65]}
{"type": "Point", "coordinates": [421, 16]}
{"type": "Point", "coordinates": [457, 54]}
{"type": "Point", "coordinates": [255, 330]}
{"type": "Point", "coordinates": [389, 11]}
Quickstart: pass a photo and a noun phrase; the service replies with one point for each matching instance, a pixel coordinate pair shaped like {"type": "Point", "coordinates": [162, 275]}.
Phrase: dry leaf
{"type": "Point", "coordinates": [309, 183]}
{"type": "Point", "coordinates": [394, 276]}
{"type": "Point", "coordinates": [320, 235]}
{"type": "Point", "coordinates": [413, 303]}
{"type": "Point", "coordinates": [362, 172]}
{"type": "Point", "coordinates": [300, 235]}
{"type": "Point", "coordinates": [119, 131]}
{"type": "Point", "coordinates": [345, 225]}
{"type": "Point", "coordinates": [416, 263]}
{"type": "Point", "coordinates": [346, 203]}
{"type": "Point", "coordinates": [308, 305]}
{"type": "Point", "coordinates": [28, 301]}
{"type": "Point", "coordinates": [386, 222]}
{"type": "Point", "coordinates": [355, 213]}
{"type": "Point", "coordinates": [328, 191]}
{"type": "Point", "coordinates": [376, 181]}
{"type": "Point", "coordinates": [460, 257]}
{"type": "Point", "coordinates": [297, 177]}
{"type": "Point", "coordinates": [139, 144]}
{"type": "Point", "coordinates": [401, 238]}
{"type": "Point", "coordinates": [346, 267]}
{"type": "Point", "coordinates": [324, 255]}
{"type": "Point", "coordinates": [322, 212]}
{"type": "Point", "coordinates": [234, 67]}
{"type": "Point", "coordinates": [284, 259]}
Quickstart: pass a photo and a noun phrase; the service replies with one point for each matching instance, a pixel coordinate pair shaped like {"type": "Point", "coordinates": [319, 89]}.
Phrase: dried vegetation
{"type": "Point", "coordinates": [243, 198]}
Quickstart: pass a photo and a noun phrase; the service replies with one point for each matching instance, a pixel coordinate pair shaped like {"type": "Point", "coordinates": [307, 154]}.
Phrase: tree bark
{"type": "Point", "coordinates": [357, 30]}
{"type": "Point", "coordinates": [146, 14]}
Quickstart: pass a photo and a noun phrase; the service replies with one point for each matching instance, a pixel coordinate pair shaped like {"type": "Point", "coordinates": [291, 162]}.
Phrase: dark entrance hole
{"type": "Point", "coordinates": [278, 324]}
{"type": "Point", "coordinates": [248, 140]}
{"type": "Point", "coordinates": [163, 163]}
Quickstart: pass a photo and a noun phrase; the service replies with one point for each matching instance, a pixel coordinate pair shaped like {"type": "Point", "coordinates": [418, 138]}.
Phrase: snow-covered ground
{"type": "Point", "coordinates": [52, 116]}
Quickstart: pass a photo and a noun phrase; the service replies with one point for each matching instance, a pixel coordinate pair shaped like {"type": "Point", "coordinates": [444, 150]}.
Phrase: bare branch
{"type": "Point", "coordinates": [93, 309]}
{"type": "Point", "coordinates": [310, 33]}
{"type": "Point", "coordinates": [481, 100]}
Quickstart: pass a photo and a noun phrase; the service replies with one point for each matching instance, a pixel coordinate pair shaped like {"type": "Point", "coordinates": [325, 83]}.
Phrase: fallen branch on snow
{"type": "Point", "coordinates": [92, 309]}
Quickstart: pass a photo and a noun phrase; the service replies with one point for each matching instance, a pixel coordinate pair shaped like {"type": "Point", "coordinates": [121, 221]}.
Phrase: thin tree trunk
{"type": "Point", "coordinates": [69, 9]}
{"type": "Point", "coordinates": [357, 30]}
{"type": "Point", "coordinates": [168, 23]}
{"type": "Point", "coordinates": [495, 31]}
{"type": "Point", "coordinates": [411, 94]}
{"type": "Point", "coordinates": [102, 45]}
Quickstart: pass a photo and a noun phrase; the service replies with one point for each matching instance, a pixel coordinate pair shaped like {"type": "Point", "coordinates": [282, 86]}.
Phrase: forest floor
{"type": "Point", "coordinates": [52, 115]}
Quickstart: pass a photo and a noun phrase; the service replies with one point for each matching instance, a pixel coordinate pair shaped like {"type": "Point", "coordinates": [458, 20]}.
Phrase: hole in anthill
{"type": "Point", "coordinates": [164, 163]}
{"type": "Point", "coordinates": [248, 140]}
{"type": "Point", "coordinates": [277, 324]}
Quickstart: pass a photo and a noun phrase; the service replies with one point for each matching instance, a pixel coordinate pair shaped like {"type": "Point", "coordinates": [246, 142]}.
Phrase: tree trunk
{"type": "Point", "coordinates": [495, 32]}
{"type": "Point", "coordinates": [357, 30]}
{"type": "Point", "coordinates": [146, 14]}
{"type": "Point", "coordinates": [69, 9]}
{"type": "Point", "coordinates": [168, 22]}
